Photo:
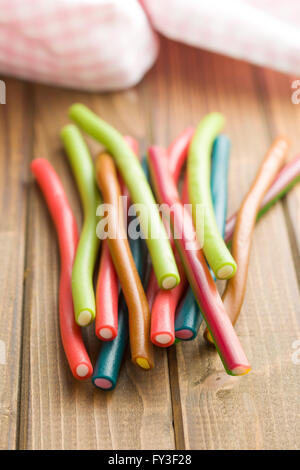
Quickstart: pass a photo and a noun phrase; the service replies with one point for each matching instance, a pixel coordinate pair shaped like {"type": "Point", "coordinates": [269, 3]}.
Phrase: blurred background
{"type": "Point", "coordinates": [110, 44]}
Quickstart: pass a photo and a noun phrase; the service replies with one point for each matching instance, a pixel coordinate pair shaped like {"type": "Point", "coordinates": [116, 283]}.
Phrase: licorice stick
{"type": "Point", "coordinates": [285, 180]}
{"type": "Point", "coordinates": [108, 364]}
{"type": "Point", "coordinates": [66, 229]}
{"type": "Point", "coordinates": [164, 308]}
{"type": "Point", "coordinates": [152, 284]}
{"type": "Point", "coordinates": [107, 290]}
{"type": "Point", "coordinates": [165, 302]}
{"type": "Point", "coordinates": [199, 175]}
{"type": "Point", "coordinates": [177, 152]}
{"type": "Point", "coordinates": [109, 361]}
{"type": "Point", "coordinates": [156, 238]}
{"type": "Point", "coordinates": [189, 317]}
{"type": "Point", "coordinates": [226, 340]}
{"type": "Point", "coordinates": [133, 144]}
{"type": "Point", "coordinates": [152, 289]}
{"type": "Point", "coordinates": [139, 315]}
{"type": "Point", "coordinates": [234, 293]}
{"type": "Point", "coordinates": [86, 254]}
{"type": "Point", "coordinates": [219, 180]}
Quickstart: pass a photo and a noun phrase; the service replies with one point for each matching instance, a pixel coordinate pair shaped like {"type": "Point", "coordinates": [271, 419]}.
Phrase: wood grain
{"type": "Point", "coordinates": [57, 412]}
{"type": "Point", "coordinates": [261, 410]}
{"type": "Point", "coordinates": [15, 148]}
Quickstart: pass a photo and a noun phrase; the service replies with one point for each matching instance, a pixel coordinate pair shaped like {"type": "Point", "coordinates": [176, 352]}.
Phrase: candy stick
{"type": "Point", "coordinates": [284, 182]}
{"type": "Point", "coordinates": [163, 310]}
{"type": "Point", "coordinates": [219, 180]}
{"type": "Point", "coordinates": [108, 364]}
{"type": "Point", "coordinates": [152, 285]}
{"type": "Point", "coordinates": [109, 361]}
{"type": "Point", "coordinates": [234, 294]}
{"type": "Point", "coordinates": [107, 367]}
{"type": "Point", "coordinates": [86, 254]}
{"type": "Point", "coordinates": [139, 315]}
{"type": "Point", "coordinates": [165, 302]}
{"type": "Point", "coordinates": [156, 238]}
{"type": "Point", "coordinates": [133, 144]}
{"type": "Point", "coordinates": [189, 317]}
{"type": "Point", "coordinates": [66, 229]}
{"type": "Point", "coordinates": [199, 163]}
{"type": "Point", "coordinates": [152, 289]}
{"type": "Point", "coordinates": [177, 152]}
{"type": "Point", "coordinates": [107, 290]}
{"type": "Point", "coordinates": [227, 343]}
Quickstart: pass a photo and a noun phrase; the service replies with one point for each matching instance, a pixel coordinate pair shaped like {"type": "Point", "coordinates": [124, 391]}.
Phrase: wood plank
{"type": "Point", "coordinates": [15, 148]}
{"type": "Point", "coordinates": [261, 410]}
{"type": "Point", "coordinates": [58, 413]}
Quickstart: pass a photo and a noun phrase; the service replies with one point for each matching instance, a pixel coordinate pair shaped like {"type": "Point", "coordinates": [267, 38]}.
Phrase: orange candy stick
{"type": "Point", "coordinates": [138, 309]}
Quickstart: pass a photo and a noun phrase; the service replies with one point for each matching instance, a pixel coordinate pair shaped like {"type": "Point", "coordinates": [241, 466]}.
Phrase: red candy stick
{"type": "Point", "coordinates": [177, 152]}
{"type": "Point", "coordinates": [164, 307]}
{"type": "Point", "coordinates": [66, 229]}
{"type": "Point", "coordinates": [107, 290]}
{"type": "Point", "coordinates": [133, 144]}
{"type": "Point", "coordinates": [165, 302]}
{"type": "Point", "coordinates": [152, 289]}
{"type": "Point", "coordinates": [222, 331]}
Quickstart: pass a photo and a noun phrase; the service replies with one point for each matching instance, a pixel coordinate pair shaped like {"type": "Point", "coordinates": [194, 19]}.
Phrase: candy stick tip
{"type": "Point", "coordinates": [66, 129]}
{"type": "Point", "coordinates": [84, 318]}
{"type": "Point", "coordinates": [240, 370]}
{"type": "Point", "coordinates": [82, 370]}
{"type": "Point", "coordinates": [105, 333]}
{"type": "Point", "coordinates": [184, 334]}
{"type": "Point", "coordinates": [208, 337]}
{"type": "Point", "coordinates": [169, 282]}
{"type": "Point", "coordinates": [163, 338]}
{"type": "Point", "coordinates": [104, 384]}
{"type": "Point", "coordinates": [225, 272]}
{"type": "Point", "coordinates": [76, 107]}
{"type": "Point", "coordinates": [143, 363]}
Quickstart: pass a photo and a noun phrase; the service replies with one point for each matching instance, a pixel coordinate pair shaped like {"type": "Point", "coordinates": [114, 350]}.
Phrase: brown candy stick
{"type": "Point", "coordinates": [138, 309]}
{"type": "Point", "coordinates": [234, 293]}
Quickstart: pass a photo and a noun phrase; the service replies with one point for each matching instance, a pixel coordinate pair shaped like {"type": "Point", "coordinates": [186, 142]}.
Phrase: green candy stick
{"type": "Point", "coordinates": [151, 224]}
{"type": "Point", "coordinates": [83, 269]}
{"type": "Point", "coordinates": [199, 175]}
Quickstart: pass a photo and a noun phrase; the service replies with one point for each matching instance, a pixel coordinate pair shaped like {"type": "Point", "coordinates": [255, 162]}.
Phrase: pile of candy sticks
{"type": "Point", "coordinates": [187, 240]}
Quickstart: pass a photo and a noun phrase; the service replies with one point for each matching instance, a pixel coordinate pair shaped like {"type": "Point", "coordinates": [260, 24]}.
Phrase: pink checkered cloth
{"type": "Point", "coordinates": [85, 44]}
{"type": "Point", "coordinates": [110, 44]}
{"type": "Point", "coordinates": [264, 32]}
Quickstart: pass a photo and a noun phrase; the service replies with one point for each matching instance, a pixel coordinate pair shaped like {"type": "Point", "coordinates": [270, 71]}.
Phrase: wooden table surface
{"type": "Point", "coordinates": [187, 401]}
